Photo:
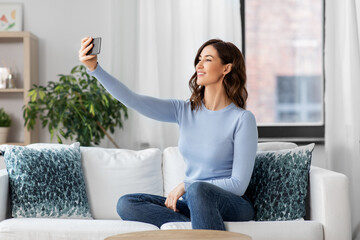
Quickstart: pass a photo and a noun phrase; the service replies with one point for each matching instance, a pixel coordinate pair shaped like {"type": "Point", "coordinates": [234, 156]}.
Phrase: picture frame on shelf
{"type": "Point", "coordinates": [11, 17]}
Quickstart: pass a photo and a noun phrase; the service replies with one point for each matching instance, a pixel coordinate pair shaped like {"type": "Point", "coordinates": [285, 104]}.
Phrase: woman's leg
{"type": "Point", "coordinates": [151, 209]}
{"type": "Point", "coordinates": [210, 206]}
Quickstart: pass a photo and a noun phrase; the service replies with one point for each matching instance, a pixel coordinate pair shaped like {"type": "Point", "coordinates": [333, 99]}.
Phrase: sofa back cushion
{"type": "Point", "coordinates": [174, 166]}
{"type": "Point", "coordinates": [173, 169]}
{"type": "Point", "coordinates": [111, 173]}
{"type": "Point", "coordinates": [276, 146]}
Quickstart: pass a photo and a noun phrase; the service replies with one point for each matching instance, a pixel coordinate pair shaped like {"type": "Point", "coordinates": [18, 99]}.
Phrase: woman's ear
{"type": "Point", "coordinates": [228, 68]}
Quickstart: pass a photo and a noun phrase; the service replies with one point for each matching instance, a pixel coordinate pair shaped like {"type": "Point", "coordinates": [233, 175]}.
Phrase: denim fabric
{"type": "Point", "coordinates": [205, 205]}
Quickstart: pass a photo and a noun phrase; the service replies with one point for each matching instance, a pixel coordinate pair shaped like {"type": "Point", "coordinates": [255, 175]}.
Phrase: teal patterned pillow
{"type": "Point", "coordinates": [278, 186]}
{"type": "Point", "coordinates": [47, 182]}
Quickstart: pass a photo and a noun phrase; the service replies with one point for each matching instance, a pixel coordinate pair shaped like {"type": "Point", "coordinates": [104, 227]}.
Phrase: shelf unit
{"type": "Point", "coordinates": [19, 51]}
{"type": "Point", "coordinates": [12, 90]}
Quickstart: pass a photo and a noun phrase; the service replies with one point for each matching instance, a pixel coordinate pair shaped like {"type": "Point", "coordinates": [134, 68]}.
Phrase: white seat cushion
{"type": "Point", "coordinates": [111, 173]}
{"type": "Point", "coordinates": [76, 229]}
{"type": "Point", "coordinates": [279, 230]}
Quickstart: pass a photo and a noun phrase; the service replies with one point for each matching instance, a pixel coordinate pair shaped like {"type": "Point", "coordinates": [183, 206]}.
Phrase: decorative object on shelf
{"type": "Point", "coordinates": [4, 75]}
{"type": "Point", "coordinates": [11, 17]}
{"type": "Point", "coordinates": [75, 106]}
{"type": "Point", "coordinates": [5, 123]}
{"type": "Point", "coordinates": [6, 78]}
{"type": "Point", "coordinates": [19, 53]}
{"type": "Point", "coordinates": [10, 81]}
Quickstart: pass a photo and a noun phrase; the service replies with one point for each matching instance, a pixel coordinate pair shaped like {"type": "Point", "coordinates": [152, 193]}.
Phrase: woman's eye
{"type": "Point", "coordinates": [207, 60]}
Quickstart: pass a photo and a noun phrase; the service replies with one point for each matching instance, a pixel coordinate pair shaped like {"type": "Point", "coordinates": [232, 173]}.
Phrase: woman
{"type": "Point", "coordinates": [218, 141]}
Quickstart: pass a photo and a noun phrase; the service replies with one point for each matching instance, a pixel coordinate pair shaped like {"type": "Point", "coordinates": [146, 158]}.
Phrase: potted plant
{"type": "Point", "coordinates": [76, 106]}
{"type": "Point", "coordinates": [5, 123]}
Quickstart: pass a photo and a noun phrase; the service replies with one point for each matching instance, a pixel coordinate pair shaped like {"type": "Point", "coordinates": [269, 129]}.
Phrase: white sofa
{"type": "Point", "coordinates": [110, 173]}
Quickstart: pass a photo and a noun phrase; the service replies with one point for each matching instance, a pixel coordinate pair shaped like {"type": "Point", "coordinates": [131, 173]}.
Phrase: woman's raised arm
{"type": "Point", "coordinates": [166, 110]}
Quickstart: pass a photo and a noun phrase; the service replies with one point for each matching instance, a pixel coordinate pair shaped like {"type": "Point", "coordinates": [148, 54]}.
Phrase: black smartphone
{"type": "Point", "coordinates": [96, 48]}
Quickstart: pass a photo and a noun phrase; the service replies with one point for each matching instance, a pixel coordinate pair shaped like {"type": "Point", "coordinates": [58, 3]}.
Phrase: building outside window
{"type": "Point", "coordinates": [299, 99]}
{"type": "Point", "coordinates": [283, 43]}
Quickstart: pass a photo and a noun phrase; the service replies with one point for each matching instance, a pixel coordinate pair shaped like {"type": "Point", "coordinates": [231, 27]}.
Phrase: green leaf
{"type": "Point", "coordinates": [10, 26]}
{"type": "Point", "coordinates": [59, 139]}
{"type": "Point", "coordinates": [59, 88]}
{"type": "Point", "coordinates": [33, 97]}
{"type": "Point", "coordinates": [44, 123]}
{"type": "Point", "coordinates": [31, 92]}
{"type": "Point", "coordinates": [62, 132]}
{"type": "Point", "coordinates": [74, 70]}
{"type": "Point", "coordinates": [51, 133]}
{"type": "Point", "coordinates": [92, 110]}
{"type": "Point", "coordinates": [41, 94]}
{"type": "Point", "coordinates": [106, 101]}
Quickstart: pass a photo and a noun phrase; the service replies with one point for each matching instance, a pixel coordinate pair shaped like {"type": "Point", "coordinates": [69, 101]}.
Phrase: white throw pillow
{"type": "Point", "coordinates": [173, 168]}
{"type": "Point", "coordinates": [112, 173]}
{"type": "Point", "coordinates": [275, 146]}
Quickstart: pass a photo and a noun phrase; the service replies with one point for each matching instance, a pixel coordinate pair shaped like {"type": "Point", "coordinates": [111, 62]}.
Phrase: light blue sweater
{"type": "Point", "coordinates": [218, 147]}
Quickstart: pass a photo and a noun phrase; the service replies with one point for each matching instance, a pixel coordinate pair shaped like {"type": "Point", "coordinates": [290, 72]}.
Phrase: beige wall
{"type": "Point", "coordinates": [59, 27]}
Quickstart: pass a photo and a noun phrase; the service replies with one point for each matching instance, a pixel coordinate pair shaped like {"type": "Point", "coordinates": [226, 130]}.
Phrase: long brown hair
{"type": "Point", "coordinates": [234, 82]}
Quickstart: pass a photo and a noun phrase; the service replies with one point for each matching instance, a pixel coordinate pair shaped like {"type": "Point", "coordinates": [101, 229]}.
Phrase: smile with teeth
{"type": "Point", "coordinates": [200, 74]}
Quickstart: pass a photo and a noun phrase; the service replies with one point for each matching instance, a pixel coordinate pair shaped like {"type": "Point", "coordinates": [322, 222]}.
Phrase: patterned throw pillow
{"type": "Point", "coordinates": [46, 182]}
{"type": "Point", "coordinates": [278, 186]}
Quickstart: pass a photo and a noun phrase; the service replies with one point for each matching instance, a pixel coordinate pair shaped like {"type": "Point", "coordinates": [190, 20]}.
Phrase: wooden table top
{"type": "Point", "coordinates": [181, 235]}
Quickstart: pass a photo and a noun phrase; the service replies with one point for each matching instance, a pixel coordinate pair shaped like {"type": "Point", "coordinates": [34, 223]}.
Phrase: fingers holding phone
{"type": "Point", "coordinates": [96, 46]}
{"type": "Point", "coordinates": [88, 52]}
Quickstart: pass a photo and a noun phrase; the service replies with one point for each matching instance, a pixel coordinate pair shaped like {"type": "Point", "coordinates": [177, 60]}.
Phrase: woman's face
{"type": "Point", "coordinates": [209, 69]}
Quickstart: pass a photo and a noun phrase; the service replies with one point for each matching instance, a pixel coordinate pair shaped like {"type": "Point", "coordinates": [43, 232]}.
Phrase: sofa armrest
{"type": "Point", "coordinates": [330, 203]}
{"type": "Point", "coordinates": [4, 193]}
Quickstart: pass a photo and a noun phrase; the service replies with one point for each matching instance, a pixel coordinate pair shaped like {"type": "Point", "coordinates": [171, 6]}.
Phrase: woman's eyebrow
{"type": "Point", "coordinates": [207, 56]}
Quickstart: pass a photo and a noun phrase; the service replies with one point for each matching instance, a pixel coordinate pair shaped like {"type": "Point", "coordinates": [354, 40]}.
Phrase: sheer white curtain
{"type": "Point", "coordinates": [342, 101]}
{"type": "Point", "coordinates": [154, 43]}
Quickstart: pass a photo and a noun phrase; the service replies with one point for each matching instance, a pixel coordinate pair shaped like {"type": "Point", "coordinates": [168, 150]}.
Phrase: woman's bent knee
{"type": "Point", "coordinates": [198, 190]}
{"type": "Point", "coordinates": [124, 205]}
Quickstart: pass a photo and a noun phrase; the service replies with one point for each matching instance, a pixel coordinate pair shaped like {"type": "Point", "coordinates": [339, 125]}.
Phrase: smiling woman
{"type": "Point", "coordinates": [219, 65]}
{"type": "Point", "coordinates": [153, 46]}
{"type": "Point", "coordinates": [218, 141]}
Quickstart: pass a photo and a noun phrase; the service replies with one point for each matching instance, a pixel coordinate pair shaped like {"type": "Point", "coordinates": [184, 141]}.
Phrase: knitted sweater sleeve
{"type": "Point", "coordinates": [159, 109]}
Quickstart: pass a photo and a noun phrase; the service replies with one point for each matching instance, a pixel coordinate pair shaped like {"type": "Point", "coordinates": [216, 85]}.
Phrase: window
{"type": "Point", "coordinates": [283, 48]}
{"type": "Point", "coordinates": [298, 100]}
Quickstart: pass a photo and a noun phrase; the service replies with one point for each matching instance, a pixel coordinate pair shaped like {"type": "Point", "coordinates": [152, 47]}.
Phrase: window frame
{"type": "Point", "coordinates": [301, 133]}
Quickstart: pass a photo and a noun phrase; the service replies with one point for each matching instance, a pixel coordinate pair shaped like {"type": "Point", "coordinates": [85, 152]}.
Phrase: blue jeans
{"type": "Point", "coordinates": [205, 205]}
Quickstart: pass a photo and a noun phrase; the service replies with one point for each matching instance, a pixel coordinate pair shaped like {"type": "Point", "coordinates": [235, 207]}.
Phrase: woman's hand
{"type": "Point", "coordinates": [173, 196]}
{"type": "Point", "coordinates": [90, 61]}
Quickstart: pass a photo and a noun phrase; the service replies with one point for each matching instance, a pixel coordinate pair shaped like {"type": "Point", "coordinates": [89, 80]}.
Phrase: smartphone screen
{"type": "Point", "coordinates": [96, 48]}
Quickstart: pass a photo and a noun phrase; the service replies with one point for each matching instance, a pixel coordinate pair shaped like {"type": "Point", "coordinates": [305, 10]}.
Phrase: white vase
{"type": "Point", "coordinates": [4, 74]}
{"type": "Point", "coordinates": [3, 134]}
